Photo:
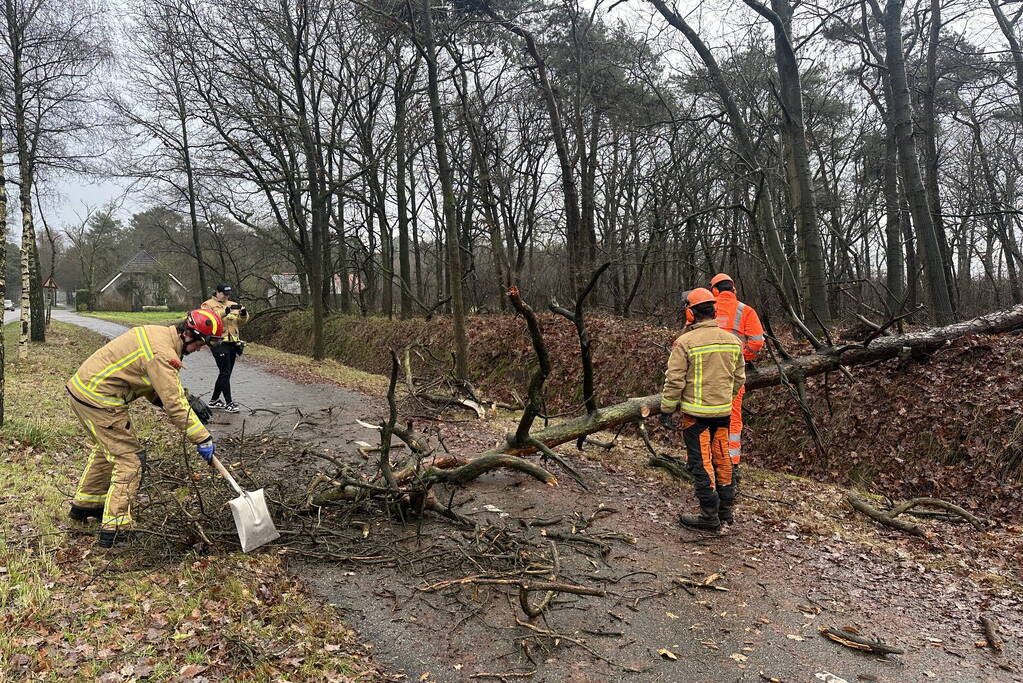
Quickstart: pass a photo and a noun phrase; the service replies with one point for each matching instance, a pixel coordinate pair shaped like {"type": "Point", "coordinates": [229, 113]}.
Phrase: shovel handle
{"type": "Point", "coordinates": [215, 461]}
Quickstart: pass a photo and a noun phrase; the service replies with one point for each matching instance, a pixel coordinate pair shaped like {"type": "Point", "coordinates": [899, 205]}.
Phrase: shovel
{"type": "Point", "coordinates": [251, 517]}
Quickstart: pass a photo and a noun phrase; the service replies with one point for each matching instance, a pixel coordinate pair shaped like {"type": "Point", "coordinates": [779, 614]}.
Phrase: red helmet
{"type": "Point", "coordinates": [206, 324]}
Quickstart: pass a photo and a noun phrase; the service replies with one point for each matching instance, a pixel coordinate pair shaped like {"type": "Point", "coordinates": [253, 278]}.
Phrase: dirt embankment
{"type": "Point", "coordinates": [950, 425]}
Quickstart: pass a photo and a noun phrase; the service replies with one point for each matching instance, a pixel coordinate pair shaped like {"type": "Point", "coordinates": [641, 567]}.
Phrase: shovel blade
{"type": "Point", "coordinates": [252, 519]}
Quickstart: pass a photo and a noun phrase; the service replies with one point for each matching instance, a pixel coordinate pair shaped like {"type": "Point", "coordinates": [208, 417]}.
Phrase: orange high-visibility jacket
{"type": "Point", "coordinates": [741, 320]}
{"type": "Point", "coordinates": [142, 363]}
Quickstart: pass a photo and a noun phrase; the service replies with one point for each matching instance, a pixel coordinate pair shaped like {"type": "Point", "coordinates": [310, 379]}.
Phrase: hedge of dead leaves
{"type": "Point", "coordinates": [628, 355]}
{"type": "Point", "coordinates": [946, 426]}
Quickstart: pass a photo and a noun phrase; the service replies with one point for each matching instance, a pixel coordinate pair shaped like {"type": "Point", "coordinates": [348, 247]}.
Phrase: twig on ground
{"type": "Point", "coordinates": [858, 642]}
{"type": "Point", "coordinates": [991, 634]}
{"type": "Point", "coordinates": [882, 518]}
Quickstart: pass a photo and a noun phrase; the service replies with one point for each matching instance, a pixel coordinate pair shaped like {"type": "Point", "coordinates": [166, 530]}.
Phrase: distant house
{"type": "Point", "coordinates": [286, 288]}
{"type": "Point", "coordinates": [143, 281]}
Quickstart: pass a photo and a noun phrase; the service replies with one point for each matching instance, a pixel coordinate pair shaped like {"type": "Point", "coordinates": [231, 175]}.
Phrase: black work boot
{"type": "Point", "coordinates": [725, 513]}
{"type": "Point", "coordinates": [707, 520]}
{"type": "Point", "coordinates": [118, 537]}
{"type": "Point", "coordinates": [82, 514]}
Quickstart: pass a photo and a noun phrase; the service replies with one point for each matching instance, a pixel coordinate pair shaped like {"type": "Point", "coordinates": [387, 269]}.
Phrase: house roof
{"type": "Point", "coordinates": [141, 262]}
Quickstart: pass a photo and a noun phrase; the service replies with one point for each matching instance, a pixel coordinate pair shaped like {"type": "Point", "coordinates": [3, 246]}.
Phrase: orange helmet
{"type": "Point", "coordinates": [694, 297]}
{"type": "Point", "coordinates": [720, 277]}
{"type": "Point", "coordinates": [206, 324]}
{"type": "Point", "coordinates": [700, 295]}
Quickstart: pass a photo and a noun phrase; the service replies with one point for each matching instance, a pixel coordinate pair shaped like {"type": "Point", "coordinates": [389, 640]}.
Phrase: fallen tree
{"type": "Point", "coordinates": [828, 358]}
{"type": "Point", "coordinates": [825, 358]}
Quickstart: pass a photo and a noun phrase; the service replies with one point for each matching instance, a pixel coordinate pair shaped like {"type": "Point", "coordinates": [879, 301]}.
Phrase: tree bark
{"type": "Point", "coordinates": [186, 158]}
{"type": "Point", "coordinates": [801, 189]}
{"type": "Point", "coordinates": [401, 95]}
{"type": "Point", "coordinates": [779, 270]}
{"type": "Point", "coordinates": [929, 130]}
{"type": "Point", "coordinates": [916, 193]}
{"type": "Point", "coordinates": [3, 268]}
{"type": "Point", "coordinates": [454, 256]}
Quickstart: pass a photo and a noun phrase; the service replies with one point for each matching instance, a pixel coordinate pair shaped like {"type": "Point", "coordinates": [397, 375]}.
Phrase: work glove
{"type": "Point", "coordinates": [750, 367]}
{"type": "Point", "coordinates": [205, 450]}
{"type": "Point", "coordinates": [199, 407]}
{"type": "Point", "coordinates": [735, 474]}
{"type": "Point", "coordinates": [667, 420]}
{"type": "Point", "coordinates": [240, 346]}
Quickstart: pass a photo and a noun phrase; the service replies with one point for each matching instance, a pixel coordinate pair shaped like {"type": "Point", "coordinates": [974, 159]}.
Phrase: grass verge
{"type": "Point", "coordinates": [69, 612]}
{"type": "Point", "coordinates": [303, 368]}
{"type": "Point", "coordinates": [134, 319]}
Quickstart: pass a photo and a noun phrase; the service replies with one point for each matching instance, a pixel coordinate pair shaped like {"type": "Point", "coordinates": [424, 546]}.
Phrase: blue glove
{"type": "Point", "coordinates": [205, 450]}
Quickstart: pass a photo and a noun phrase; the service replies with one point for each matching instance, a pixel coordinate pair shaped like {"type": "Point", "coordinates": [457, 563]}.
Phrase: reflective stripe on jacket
{"type": "Point", "coordinates": [741, 320]}
{"type": "Point", "coordinates": [144, 362]}
{"type": "Point", "coordinates": [705, 372]}
{"type": "Point", "coordinates": [232, 320]}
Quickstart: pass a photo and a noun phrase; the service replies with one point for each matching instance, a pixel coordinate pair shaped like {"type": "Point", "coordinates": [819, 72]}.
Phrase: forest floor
{"type": "Point", "coordinates": [797, 561]}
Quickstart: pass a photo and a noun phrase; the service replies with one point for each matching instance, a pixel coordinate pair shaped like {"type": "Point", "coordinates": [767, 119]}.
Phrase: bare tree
{"type": "Point", "coordinates": [53, 51]}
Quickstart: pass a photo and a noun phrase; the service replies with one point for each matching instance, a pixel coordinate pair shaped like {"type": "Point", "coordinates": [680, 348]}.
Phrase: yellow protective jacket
{"type": "Point", "coordinates": [232, 320]}
{"type": "Point", "coordinates": [705, 372]}
{"type": "Point", "coordinates": [144, 362]}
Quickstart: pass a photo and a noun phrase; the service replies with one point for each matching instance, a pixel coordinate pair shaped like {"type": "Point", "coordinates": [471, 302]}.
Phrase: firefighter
{"type": "Point", "coordinates": [705, 372]}
{"type": "Point", "coordinates": [741, 320]}
{"type": "Point", "coordinates": [226, 353]}
{"type": "Point", "coordinates": [144, 362]}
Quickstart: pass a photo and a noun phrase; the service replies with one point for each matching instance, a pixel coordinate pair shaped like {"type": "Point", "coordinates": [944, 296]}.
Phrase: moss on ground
{"type": "Point", "coordinates": [70, 612]}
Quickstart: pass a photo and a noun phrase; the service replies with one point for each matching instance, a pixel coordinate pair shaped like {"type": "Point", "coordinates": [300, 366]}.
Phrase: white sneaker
{"type": "Point", "coordinates": [232, 407]}
{"type": "Point", "coordinates": [216, 404]}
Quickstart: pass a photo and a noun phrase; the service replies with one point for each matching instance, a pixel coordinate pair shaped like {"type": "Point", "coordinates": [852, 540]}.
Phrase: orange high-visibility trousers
{"type": "Point", "coordinates": [735, 428]}
{"type": "Point", "coordinates": [708, 461]}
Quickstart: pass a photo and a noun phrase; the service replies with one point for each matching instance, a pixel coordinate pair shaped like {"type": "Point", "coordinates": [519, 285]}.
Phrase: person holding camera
{"type": "Point", "coordinates": [234, 316]}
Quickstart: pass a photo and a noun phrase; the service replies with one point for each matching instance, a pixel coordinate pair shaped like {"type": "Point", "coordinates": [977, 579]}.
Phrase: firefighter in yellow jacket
{"type": "Point", "coordinates": [705, 372]}
{"type": "Point", "coordinates": [144, 362]}
{"type": "Point", "coordinates": [226, 353]}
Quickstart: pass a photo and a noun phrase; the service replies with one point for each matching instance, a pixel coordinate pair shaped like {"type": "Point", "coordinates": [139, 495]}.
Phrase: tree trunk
{"type": "Point", "coordinates": [401, 196]}
{"type": "Point", "coordinates": [801, 190]}
{"type": "Point", "coordinates": [895, 276]}
{"type": "Point", "coordinates": [454, 256]}
{"type": "Point", "coordinates": [929, 130]}
{"type": "Point", "coordinates": [779, 267]}
{"type": "Point", "coordinates": [3, 268]}
{"type": "Point", "coordinates": [32, 316]}
{"type": "Point", "coordinates": [827, 359]}
{"type": "Point", "coordinates": [193, 218]}
{"type": "Point", "coordinates": [916, 193]}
